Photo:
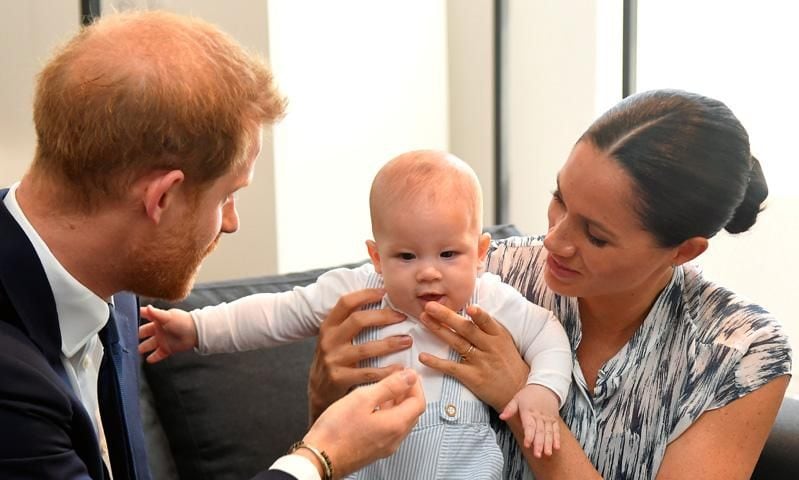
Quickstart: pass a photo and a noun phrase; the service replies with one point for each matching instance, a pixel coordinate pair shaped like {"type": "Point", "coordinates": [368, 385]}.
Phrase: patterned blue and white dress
{"type": "Point", "coordinates": [699, 348]}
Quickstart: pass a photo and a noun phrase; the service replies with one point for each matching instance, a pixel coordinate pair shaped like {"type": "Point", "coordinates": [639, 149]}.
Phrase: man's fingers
{"type": "Point", "coordinates": [394, 387]}
{"type": "Point", "coordinates": [411, 406]}
{"type": "Point", "coordinates": [352, 301]}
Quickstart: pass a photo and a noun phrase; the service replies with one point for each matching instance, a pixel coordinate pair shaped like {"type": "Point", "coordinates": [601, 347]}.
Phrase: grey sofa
{"type": "Point", "coordinates": [229, 416]}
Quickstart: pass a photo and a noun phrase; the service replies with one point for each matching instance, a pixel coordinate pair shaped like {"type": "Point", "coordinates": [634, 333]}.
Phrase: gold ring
{"type": "Point", "coordinates": [467, 352]}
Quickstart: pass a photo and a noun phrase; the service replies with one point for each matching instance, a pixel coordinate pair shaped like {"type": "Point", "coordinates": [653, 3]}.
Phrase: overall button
{"type": "Point", "coordinates": [451, 410]}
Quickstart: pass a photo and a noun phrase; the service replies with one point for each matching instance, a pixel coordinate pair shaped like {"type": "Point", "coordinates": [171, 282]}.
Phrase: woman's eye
{"type": "Point", "coordinates": [448, 254]}
{"type": "Point", "coordinates": [407, 256]}
{"type": "Point", "coordinates": [597, 242]}
{"type": "Point", "coordinates": [556, 196]}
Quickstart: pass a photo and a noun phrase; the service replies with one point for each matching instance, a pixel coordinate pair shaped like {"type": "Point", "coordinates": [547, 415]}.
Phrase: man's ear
{"type": "Point", "coordinates": [482, 246]}
{"type": "Point", "coordinates": [689, 250]}
{"type": "Point", "coordinates": [371, 247]}
{"type": "Point", "coordinates": [160, 191]}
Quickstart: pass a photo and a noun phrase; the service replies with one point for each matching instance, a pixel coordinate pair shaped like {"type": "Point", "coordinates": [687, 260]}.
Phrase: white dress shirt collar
{"type": "Point", "coordinates": [81, 313]}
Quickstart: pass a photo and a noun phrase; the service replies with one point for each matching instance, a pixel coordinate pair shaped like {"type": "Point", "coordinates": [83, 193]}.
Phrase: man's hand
{"type": "Point", "coordinates": [369, 423]}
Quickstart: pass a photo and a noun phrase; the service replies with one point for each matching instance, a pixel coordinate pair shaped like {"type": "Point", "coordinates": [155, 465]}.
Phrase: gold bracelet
{"type": "Point", "coordinates": [327, 465]}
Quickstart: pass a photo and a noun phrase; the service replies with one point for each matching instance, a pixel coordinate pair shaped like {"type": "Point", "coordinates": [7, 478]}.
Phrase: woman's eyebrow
{"type": "Point", "coordinates": [589, 221]}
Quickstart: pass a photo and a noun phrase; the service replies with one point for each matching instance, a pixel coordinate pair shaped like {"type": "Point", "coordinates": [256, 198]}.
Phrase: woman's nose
{"type": "Point", "coordinates": [559, 238]}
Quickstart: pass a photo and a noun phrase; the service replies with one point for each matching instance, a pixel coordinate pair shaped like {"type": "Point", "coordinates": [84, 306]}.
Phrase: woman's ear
{"type": "Point", "coordinates": [371, 247]}
{"type": "Point", "coordinates": [482, 246]}
{"type": "Point", "coordinates": [689, 250]}
{"type": "Point", "coordinates": [160, 191]}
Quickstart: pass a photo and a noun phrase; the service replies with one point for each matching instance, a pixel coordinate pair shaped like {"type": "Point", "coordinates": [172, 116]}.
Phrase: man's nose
{"type": "Point", "coordinates": [230, 217]}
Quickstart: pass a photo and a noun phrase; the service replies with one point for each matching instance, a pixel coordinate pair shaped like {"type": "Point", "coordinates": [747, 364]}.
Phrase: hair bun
{"type": "Point", "coordinates": [756, 192]}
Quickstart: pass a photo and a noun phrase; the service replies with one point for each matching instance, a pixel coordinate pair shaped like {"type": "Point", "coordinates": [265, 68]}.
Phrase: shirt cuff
{"type": "Point", "coordinates": [298, 466]}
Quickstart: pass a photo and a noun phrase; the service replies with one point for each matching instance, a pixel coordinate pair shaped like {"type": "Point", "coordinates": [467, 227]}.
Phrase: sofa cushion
{"type": "Point", "coordinates": [778, 460]}
{"type": "Point", "coordinates": [229, 416]}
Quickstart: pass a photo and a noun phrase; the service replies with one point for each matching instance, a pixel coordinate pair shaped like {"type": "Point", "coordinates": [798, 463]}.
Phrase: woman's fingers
{"type": "Point", "coordinates": [449, 367]}
{"type": "Point", "coordinates": [352, 354]}
{"type": "Point", "coordinates": [361, 376]}
{"type": "Point", "coordinates": [333, 369]}
{"type": "Point", "coordinates": [493, 352]}
{"type": "Point", "coordinates": [344, 331]}
{"type": "Point", "coordinates": [484, 321]}
{"type": "Point", "coordinates": [476, 331]}
{"type": "Point", "coordinates": [457, 342]}
{"type": "Point", "coordinates": [351, 302]}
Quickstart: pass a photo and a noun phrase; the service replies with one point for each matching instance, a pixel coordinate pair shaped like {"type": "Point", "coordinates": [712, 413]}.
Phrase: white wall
{"type": "Point", "coordinates": [28, 32]}
{"type": "Point", "coordinates": [470, 32]}
{"type": "Point", "coordinates": [751, 75]}
{"type": "Point", "coordinates": [551, 88]}
{"type": "Point", "coordinates": [366, 81]}
{"type": "Point", "coordinates": [247, 23]}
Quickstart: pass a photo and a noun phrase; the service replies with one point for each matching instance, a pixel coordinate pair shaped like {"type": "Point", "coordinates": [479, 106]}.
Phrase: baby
{"type": "Point", "coordinates": [426, 211]}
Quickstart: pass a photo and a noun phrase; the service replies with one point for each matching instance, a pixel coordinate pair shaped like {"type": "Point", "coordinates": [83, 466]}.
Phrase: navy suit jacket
{"type": "Point", "coordinates": [46, 432]}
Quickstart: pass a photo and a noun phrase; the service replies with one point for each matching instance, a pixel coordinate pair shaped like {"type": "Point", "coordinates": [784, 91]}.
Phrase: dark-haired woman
{"type": "Point", "coordinates": [672, 373]}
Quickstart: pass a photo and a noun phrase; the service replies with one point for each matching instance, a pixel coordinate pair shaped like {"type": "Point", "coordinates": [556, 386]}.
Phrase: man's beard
{"type": "Point", "coordinates": [168, 268]}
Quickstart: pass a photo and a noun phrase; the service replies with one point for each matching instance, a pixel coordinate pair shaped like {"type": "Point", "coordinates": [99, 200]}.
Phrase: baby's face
{"type": "Point", "coordinates": [428, 254]}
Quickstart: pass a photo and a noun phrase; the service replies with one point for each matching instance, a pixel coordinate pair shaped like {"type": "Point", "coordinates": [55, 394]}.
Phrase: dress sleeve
{"type": "Point", "coordinates": [271, 319]}
{"type": "Point", "coordinates": [766, 357]}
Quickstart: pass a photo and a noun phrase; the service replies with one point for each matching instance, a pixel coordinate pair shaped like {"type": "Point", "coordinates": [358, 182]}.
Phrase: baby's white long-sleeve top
{"type": "Point", "coordinates": [270, 319]}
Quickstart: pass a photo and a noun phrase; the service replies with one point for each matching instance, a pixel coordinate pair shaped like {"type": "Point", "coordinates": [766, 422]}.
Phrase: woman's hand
{"type": "Point", "coordinates": [334, 370]}
{"type": "Point", "coordinates": [492, 367]}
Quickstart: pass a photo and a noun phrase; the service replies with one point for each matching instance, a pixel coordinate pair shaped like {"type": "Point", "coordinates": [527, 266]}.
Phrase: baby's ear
{"type": "Point", "coordinates": [482, 246]}
{"type": "Point", "coordinates": [371, 247]}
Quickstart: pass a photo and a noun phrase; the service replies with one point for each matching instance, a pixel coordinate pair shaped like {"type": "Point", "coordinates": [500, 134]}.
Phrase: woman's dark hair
{"type": "Point", "coordinates": [689, 159]}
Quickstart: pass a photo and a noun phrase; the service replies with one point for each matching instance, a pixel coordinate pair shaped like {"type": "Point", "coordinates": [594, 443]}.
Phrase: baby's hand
{"type": "Point", "coordinates": [167, 332]}
{"type": "Point", "coordinates": [537, 407]}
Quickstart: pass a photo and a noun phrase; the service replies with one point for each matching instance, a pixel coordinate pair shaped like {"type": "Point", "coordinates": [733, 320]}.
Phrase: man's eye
{"type": "Point", "coordinates": [448, 254]}
{"type": "Point", "coordinates": [407, 256]}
